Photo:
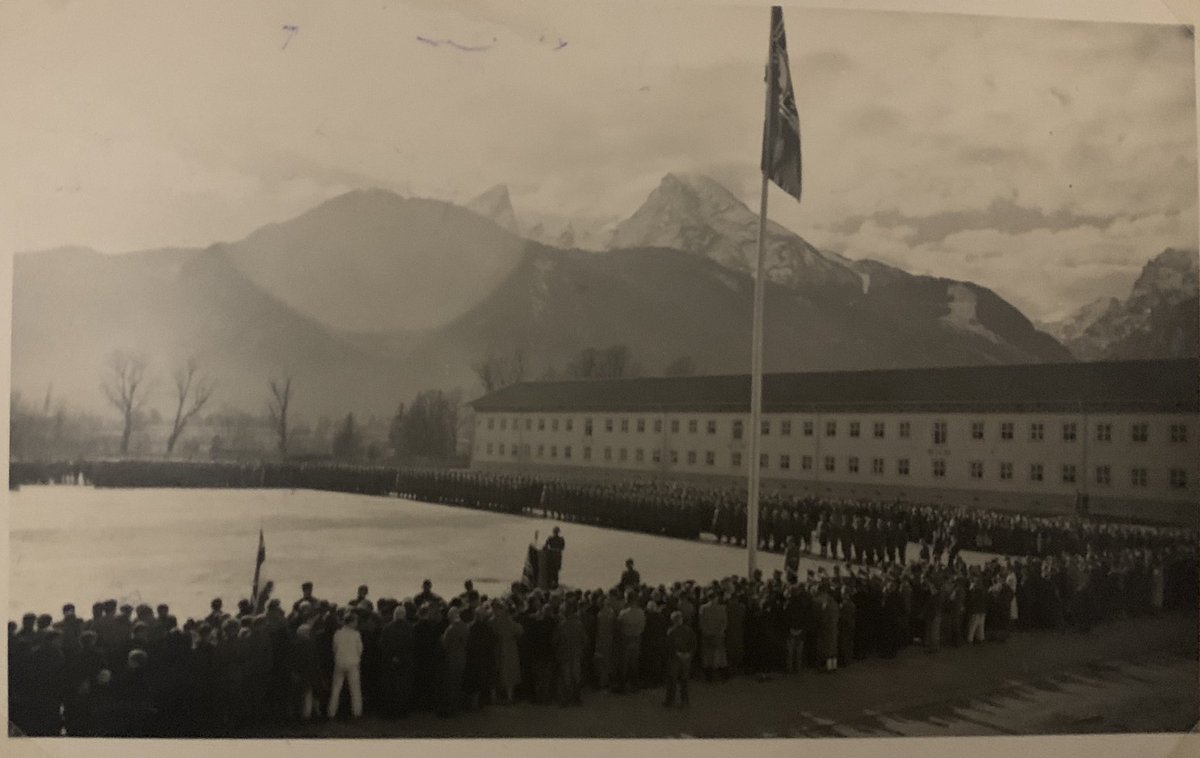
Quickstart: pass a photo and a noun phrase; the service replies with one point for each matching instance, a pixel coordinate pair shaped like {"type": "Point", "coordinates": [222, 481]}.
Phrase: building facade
{"type": "Point", "coordinates": [1119, 438]}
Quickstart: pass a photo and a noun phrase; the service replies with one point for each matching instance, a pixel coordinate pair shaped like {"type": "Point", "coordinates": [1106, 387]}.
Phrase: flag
{"type": "Point", "coordinates": [530, 573]}
{"type": "Point", "coordinates": [781, 127]}
{"type": "Point", "coordinates": [258, 562]}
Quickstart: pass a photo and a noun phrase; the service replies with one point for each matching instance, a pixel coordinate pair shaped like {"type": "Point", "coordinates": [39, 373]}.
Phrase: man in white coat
{"type": "Point", "coordinates": [347, 657]}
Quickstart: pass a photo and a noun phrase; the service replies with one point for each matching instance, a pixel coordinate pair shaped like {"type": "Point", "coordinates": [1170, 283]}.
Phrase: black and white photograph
{"type": "Point", "coordinates": [803, 375]}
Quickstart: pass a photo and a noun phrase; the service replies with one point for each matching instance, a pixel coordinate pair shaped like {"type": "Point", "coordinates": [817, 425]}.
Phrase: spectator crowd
{"type": "Point", "coordinates": [139, 671]}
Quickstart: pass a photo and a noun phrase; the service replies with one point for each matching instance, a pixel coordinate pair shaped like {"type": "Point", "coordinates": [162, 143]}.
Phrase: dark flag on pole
{"type": "Point", "coordinates": [781, 129]}
{"type": "Point", "coordinates": [258, 562]}
{"type": "Point", "coordinates": [529, 575]}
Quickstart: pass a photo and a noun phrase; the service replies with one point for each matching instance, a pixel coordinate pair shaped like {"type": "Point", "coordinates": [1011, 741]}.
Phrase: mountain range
{"type": "Point", "coordinates": [370, 297]}
{"type": "Point", "coordinates": [1159, 319]}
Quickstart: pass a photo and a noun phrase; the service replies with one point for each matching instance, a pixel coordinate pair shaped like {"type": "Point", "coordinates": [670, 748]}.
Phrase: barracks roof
{"type": "Point", "coordinates": [1149, 386]}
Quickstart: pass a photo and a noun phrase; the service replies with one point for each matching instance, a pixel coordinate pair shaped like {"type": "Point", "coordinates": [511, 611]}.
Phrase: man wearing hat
{"type": "Point", "coordinates": [681, 641]}
{"type": "Point", "coordinates": [306, 596]}
{"type": "Point", "coordinates": [630, 578]}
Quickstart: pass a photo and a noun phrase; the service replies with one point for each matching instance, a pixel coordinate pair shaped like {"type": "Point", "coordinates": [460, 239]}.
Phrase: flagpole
{"type": "Point", "coordinates": [755, 430]}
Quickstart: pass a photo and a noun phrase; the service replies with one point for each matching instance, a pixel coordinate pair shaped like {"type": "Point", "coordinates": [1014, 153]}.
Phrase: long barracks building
{"type": "Point", "coordinates": [1116, 438]}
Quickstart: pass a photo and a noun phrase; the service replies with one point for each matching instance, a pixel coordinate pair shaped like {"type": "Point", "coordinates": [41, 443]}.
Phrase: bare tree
{"type": "Point", "coordinates": [192, 391]}
{"type": "Point", "coordinates": [496, 371]}
{"type": "Point", "coordinates": [281, 398]}
{"type": "Point", "coordinates": [125, 387]}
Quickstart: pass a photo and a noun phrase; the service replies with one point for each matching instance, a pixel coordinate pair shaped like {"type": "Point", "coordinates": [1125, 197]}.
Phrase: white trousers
{"type": "Point", "coordinates": [975, 627]}
{"type": "Point", "coordinates": [346, 676]}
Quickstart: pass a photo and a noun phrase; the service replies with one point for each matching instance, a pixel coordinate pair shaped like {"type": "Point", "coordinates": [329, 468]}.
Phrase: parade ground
{"type": "Point", "coordinates": [185, 547]}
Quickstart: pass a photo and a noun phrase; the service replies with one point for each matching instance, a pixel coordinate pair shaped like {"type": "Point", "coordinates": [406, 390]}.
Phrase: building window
{"type": "Point", "coordinates": [830, 428]}
{"type": "Point", "coordinates": [656, 455]}
{"type": "Point", "coordinates": [1069, 432]}
{"type": "Point", "coordinates": [514, 451]}
{"type": "Point", "coordinates": [737, 430]}
{"type": "Point", "coordinates": [976, 469]}
{"type": "Point", "coordinates": [1036, 432]}
{"type": "Point", "coordinates": [641, 425]}
{"type": "Point", "coordinates": [623, 454]}
{"type": "Point", "coordinates": [735, 460]}
{"type": "Point", "coordinates": [785, 462]}
{"type": "Point", "coordinates": [608, 425]}
{"type": "Point", "coordinates": [880, 430]}
{"type": "Point", "coordinates": [608, 453]}
{"type": "Point", "coordinates": [876, 465]}
{"type": "Point", "coordinates": [624, 425]}
{"type": "Point", "coordinates": [674, 426]}
{"type": "Point", "coordinates": [855, 429]}
{"type": "Point", "coordinates": [492, 424]}
{"type": "Point", "coordinates": [1068, 473]}
{"type": "Point", "coordinates": [587, 427]}
{"type": "Point", "coordinates": [976, 430]}
{"type": "Point", "coordinates": [1141, 432]}
{"type": "Point", "coordinates": [712, 426]}
{"type": "Point", "coordinates": [528, 424]}
{"type": "Point", "coordinates": [570, 424]}
{"type": "Point", "coordinates": [658, 426]}
{"type": "Point", "coordinates": [674, 457]}
{"type": "Point", "coordinates": [808, 428]}
{"type": "Point", "coordinates": [587, 453]}
{"type": "Point", "coordinates": [541, 450]}
{"type": "Point", "coordinates": [939, 432]}
{"type": "Point", "coordinates": [1104, 432]}
{"type": "Point", "coordinates": [1179, 432]}
{"type": "Point", "coordinates": [567, 452]}
{"type": "Point", "coordinates": [554, 451]}
{"type": "Point", "coordinates": [554, 425]}
{"type": "Point", "coordinates": [905, 430]}
{"type": "Point", "coordinates": [639, 455]}
{"type": "Point", "coordinates": [489, 448]}
{"type": "Point", "coordinates": [1178, 479]}
{"type": "Point", "coordinates": [1006, 430]}
{"type": "Point", "coordinates": [1138, 477]}
{"type": "Point", "coordinates": [710, 458]}
{"type": "Point", "coordinates": [766, 427]}
{"type": "Point", "coordinates": [1035, 472]}
{"type": "Point", "coordinates": [503, 424]}
{"type": "Point", "coordinates": [693, 426]}
{"type": "Point", "coordinates": [830, 464]}
{"type": "Point", "coordinates": [1006, 471]}
{"type": "Point", "coordinates": [691, 457]}
{"type": "Point", "coordinates": [785, 428]}
{"type": "Point", "coordinates": [806, 462]}
{"type": "Point", "coordinates": [1104, 475]}
{"type": "Point", "coordinates": [939, 468]}
{"type": "Point", "coordinates": [763, 460]}
{"type": "Point", "coordinates": [902, 467]}
{"type": "Point", "coordinates": [852, 464]}
{"type": "Point", "coordinates": [501, 448]}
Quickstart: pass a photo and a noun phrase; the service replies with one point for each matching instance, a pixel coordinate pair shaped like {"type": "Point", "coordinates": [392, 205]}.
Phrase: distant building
{"type": "Point", "coordinates": [1112, 438]}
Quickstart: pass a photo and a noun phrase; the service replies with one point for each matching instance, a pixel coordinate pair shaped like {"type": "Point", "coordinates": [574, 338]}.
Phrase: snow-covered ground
{"type": "Point", "coordinates": [184, 547]}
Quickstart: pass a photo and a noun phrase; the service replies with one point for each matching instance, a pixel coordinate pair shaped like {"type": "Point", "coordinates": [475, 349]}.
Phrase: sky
{"type": "Point", "coordinates": [1046, 159]}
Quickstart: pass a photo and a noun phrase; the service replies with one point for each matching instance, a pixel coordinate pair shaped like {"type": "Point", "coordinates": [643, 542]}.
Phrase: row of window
{"type": "Point", "coordinates": [1138, 476]}
{"type": "Point", "coordinates": [1139, 432]}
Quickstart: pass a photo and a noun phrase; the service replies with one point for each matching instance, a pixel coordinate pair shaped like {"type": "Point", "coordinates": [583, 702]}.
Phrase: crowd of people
{"type": "Point", "coordinates": [892, 574]}
{"type": "Point", "coordinates": [849, 529]}
{"type": "Point", "coordinates": [138, 671]}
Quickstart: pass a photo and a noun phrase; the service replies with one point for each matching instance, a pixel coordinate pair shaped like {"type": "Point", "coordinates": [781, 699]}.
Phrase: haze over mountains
{"type": "Point", "coordinates": [371, 297]}
{"type": "Point", "coordinates": [1159, 319]}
